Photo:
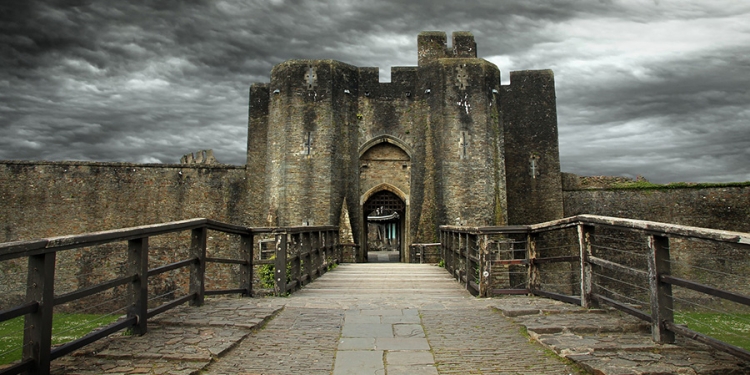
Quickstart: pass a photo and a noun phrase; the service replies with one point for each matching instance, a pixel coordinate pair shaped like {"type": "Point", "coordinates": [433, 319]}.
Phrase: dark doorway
{"type": "Point", "coordinates": [384, 227]}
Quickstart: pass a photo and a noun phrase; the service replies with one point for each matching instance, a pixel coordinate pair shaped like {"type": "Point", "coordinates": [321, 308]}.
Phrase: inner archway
{"type": "Point", "coordinates": [384, 217]}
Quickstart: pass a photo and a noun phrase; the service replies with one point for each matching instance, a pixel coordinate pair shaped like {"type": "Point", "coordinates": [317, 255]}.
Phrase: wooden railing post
{"type": "Point", "coordinates": [246, 269]}
{"type": "Point", "coordinates": [661, 293]}
{"type": "Point", "coordinates": [447, 243]}
{"type": "Point", "coordinates": [484, 267]}
{"type": "Point", "coordinates": [467, 261]}
{"type": "Point", "coordinates": [297, 260]}
{"type": "Point", "coordinates": [585, 234]}
{"type": "Point", "coordinates": [138, 289]}
{"type": "Point", "coordinates": [198, 269]}
{"type": "Point", "coordinates": [449, 253]}
{"type": "Point", "coordinates": [455, 249]}
{"type": "Point", "coordinates": [441, 236]}
{"type": "Point", "coordinates": [280, 274]}
{"type": "Point", "coordinates": [532, 280]}
{"type": "Point", "coordinates": [37, 337]}
{"type": "Point", "coordinates": [309, 257]}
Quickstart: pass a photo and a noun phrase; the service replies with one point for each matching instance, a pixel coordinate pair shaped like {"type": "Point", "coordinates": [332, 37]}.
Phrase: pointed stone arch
{"type": "Point", "coordinates": [384, 186]}
{"type": "Point", "coordinates": [385, 138]}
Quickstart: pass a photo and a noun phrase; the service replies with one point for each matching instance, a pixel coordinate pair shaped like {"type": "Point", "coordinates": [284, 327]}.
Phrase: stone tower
{"type": "Point", "coordinates": [443, 143]}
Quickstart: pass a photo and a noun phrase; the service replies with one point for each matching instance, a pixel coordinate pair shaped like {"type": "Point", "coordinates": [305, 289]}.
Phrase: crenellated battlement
{"type": "Point", "coordinates": [433, 45]}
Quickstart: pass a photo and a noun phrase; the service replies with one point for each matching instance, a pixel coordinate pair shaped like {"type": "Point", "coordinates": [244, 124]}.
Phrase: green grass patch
{"type": "Point", "coordinates": [645, 185]}
{"type": "Point", "coordinates": [732, 329]}
{"type": "Point", "coordinates": [66, 327]}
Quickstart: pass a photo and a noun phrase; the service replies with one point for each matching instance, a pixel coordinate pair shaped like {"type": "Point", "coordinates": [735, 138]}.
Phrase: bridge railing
{"type": "Point", "coordinates": [688, 281]}
{"type": "Point", "coordinates": [425, 252]}
{"type": "Point", "coordinates": [128, 276]}
{"type": "Point", "coordinates": [303, 254]}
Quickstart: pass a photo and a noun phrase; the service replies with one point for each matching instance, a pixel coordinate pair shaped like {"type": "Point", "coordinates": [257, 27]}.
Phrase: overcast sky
{"type": "Point", "coordinates": [651, 87]}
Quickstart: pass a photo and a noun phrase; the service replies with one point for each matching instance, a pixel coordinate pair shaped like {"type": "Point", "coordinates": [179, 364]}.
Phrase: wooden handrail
{"type": "Point", "coordinates": [645, 226]}
{"type": "Point", "coordinates": [42, 253]}
{"type": "Point", "coordinates": [657, 280]}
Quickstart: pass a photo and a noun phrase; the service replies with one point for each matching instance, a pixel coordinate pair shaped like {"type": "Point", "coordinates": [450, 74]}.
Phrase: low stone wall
{"type": "Point", "coordinates": [47, 199]}
{"type": "Point", "coordinates": [44, 199]}
{"type": "Point", "coordinates": [725, 208]}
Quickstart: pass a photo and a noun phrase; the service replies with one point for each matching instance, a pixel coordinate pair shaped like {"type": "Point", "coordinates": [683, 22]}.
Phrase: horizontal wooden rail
{"type": "Point", "coordinates": [227, 261]}
{"type": "Point", "coordinates": [26, 308]}
{"type": "Point", "coordinates": [650, 227]}
{"type": "Point", "coordinates": [170, 305]}
{"type": "Point", "coordinates": [559, 259]}
{"type": "Point", "coordinates": [557, 296]}
{"type": "Point", "coordinates": [171, 266]}
{"type": "Point", "coordinates": [734, 297]}
{"type": "Point", "coordinates": [509, 262]}
{"type": "Point", "coordinates": [622, 307]}
{"type": "Point", "coordinates": [85, 292]}
{"type": "Point", "coordinates": [731, 349]}
{"type": "Point", "coordinates": [12, 250]}
{"type": "Point", "coordinates": [23, 367]}
{"type": "Point", "coordinates": [99, 334]}
{"type": "Point", "coordinates": [617, 267]}
{"type": "Point", "coordinates": [219, 292]}
{"type": "Point", "coordinates": [510, 291]}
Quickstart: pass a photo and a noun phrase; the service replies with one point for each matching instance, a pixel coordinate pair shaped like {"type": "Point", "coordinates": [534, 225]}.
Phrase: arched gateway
{"type": "Point", "coordinates": [384, 180]}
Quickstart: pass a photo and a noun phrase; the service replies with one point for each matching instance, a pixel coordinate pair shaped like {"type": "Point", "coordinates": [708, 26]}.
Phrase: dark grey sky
{"type": "Point", "coordinates": [657, 88]}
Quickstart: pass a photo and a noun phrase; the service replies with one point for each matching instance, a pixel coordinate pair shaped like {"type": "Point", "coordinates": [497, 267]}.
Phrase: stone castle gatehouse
{"type": "Point", "coordinates": [443, 142]}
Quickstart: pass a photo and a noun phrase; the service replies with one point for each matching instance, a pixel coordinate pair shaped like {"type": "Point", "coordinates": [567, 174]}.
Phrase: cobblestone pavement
{"type": "Point", "coordinates": [181, 342]}
{"type": "Point", "coordinates": [478, 341]}
{"type": "Point", "coordinates": [298, 341]}
{"type": "Point", "coordinates": [391, 318]}
{"type": "Point", "coordinates": [609, 342]}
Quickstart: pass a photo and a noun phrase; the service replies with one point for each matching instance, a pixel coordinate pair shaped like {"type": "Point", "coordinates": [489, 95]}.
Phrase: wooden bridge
{"type": "Point", "coordinates": [634, 276]}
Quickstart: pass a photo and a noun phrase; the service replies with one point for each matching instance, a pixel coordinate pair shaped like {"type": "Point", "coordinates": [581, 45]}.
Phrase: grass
{"type": "Point", "coordinates": [732, 329]}
{"type": "Point", "coordinates": [645, 185]}
{"type": "Point", "coordinates": [66, 328]}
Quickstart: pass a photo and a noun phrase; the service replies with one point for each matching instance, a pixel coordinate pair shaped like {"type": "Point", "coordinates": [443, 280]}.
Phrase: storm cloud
{"type": "Point", "coordinates": [652, 88]}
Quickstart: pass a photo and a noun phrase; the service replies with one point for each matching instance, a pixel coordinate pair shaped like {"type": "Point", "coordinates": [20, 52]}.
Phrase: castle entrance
{"type": "Point", "coordinates": [384, 214]}
{"type": "Point", "coordinates": [384, 183]}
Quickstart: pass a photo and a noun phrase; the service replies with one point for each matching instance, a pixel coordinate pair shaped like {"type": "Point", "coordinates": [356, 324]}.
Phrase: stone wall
{"type": "Point", "coordinates": [47, 199]}
{"type": "Point", "coordinates": [44, 199]}
{"type": "Point", "coordinates": [725, 208]}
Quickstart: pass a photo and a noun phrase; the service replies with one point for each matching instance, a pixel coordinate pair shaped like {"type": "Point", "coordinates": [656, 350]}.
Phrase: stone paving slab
{"type": "Point", "coordinates": [297, 341]}
{"type": "Point", "coordinates": [610, 342]}
{"type": "Point", "coordinates": [96, 366]}
{"type": "Point", "coordinates": [223, 312]}
{"type": "Point", "coordinates": [581, 322]}
{"type": "Point", "coordinates": [482, 341]}
{"type": "Point", "coordinates": [181, 341]}
{"type": "Point", "coordinates": [358, 362]}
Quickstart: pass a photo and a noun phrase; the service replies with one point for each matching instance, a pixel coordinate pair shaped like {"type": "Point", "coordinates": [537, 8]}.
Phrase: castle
{"type": "Point", "coordinates": [443, 142]}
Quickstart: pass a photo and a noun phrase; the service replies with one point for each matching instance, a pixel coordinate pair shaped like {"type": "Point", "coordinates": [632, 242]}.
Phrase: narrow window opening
{"type": "Point", "coordinates": [308, 143]}
{"type": "Point", "coordinates": [463, 146]}
{"type": "Point", "coordinates": [534, 166]}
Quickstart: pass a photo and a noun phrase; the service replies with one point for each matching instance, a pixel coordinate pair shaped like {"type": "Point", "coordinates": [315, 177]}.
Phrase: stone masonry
{"type": "Point", "coordinates": [445, 136]}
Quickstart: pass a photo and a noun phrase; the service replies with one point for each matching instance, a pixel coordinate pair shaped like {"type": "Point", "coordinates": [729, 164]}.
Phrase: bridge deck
{"type": "Point", "coordinates": [385, 318]}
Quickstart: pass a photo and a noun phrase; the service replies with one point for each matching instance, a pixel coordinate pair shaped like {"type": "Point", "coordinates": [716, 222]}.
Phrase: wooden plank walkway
{"type": "Point", "coordinates": [384, 318]}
